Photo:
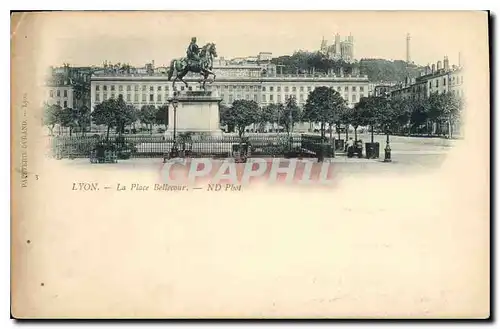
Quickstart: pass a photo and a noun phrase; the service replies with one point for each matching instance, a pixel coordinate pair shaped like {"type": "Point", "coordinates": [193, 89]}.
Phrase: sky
{"type": "Point", "coordinates": [89, 38]}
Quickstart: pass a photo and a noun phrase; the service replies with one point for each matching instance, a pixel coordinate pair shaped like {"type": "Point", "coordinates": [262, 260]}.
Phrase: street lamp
{"type": "Point", "coordinates": [387, 157]}
{"type": "Point", "coordinates": [174, 152]}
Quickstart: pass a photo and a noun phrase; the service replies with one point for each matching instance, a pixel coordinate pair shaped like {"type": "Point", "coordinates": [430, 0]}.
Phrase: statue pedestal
{"type": "Point", "coordinates": [197, 112]}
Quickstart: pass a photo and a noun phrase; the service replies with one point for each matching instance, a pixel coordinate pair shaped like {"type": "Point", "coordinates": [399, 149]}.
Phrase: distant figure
{"type": "Point", "coordinates": [350, 143]}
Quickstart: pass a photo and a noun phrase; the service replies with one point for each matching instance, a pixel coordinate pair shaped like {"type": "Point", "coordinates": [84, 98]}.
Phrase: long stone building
{"type": "Point", "coordinates": [257, 82]}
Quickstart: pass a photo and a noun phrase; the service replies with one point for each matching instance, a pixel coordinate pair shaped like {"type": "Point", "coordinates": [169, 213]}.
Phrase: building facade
{"type": "Point", "coordinates": [259, 83]}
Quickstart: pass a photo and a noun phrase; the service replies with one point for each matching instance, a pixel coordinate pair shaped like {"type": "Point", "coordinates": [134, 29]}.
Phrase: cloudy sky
{"type": "Point", "coordinates": [89, 38]}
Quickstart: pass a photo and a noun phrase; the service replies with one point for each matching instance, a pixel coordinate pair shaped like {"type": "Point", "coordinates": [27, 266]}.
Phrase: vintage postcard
{"type": "Point", "coordinates": [250, 164]}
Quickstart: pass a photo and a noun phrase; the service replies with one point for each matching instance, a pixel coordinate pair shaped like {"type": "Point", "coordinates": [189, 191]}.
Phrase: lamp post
{"type": "Point", "coordinates": [174, 152]}
{"type": "Point", "coordinates": [387, 157]}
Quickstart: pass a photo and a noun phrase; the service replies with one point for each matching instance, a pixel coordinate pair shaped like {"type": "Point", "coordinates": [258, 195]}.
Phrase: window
{"type": "Point", "coordinates": [353, 88]}
{"type": "Point", "coordinates": [166, 88]}
{"type": "Point", "coordinates": [112, 87]}
{"type": "Point", "coordinates": [182, 88]}
{"type": "Point", "coordinates": [96, 87]}
{"type": "Point", "coordinates": [354, 98]}
{"type": "Point", "coordinates": [51, 93]}
{"type": "Point", "coordinates": [238, 96]}
{"type": "Point", "coordinates": [271, 89]}
{"type": "Point", "coordinates": [151, 97]}
{"type": "Point", "coordinates": [302, 88]}
{"type": "Point", "coordinates": [159, 88]}
{"type": "Point", "coordinates": [230, 98]}
{"type": "Point", "coordinates": [58, 93]}
{"type": "Point", "coordinates": [247, 97]}
{"type": "Point", "coordinates": [264, 98]}
{"type": "Point", "coordinates": [430, 84]}
{"type": "Point", "coordinates": [286, 89]}
{"type": "Point", "coordinates": [136, 97]}
{"type": "Point", "coordinates": [97, 98]}
{"type": "Point", "coordinates": [279, 98]}
{"type": "Point", "coordinates": [65, 104]}
{"type": "Point", "coordinates": [65, 93]}
{"type": "Point", "coordinates": [271, 98]}
{"type": "Point", "coordinates": [58, 102]}
{"type": "Point", "coordinates": [248, 88]}
{"type": "Point", "coordinates": [279, 89]}
{"type": "Point", "coordinates": [158, 97]}
{"type": "Point", "coordinates": [105, 96]}
{"type": "Point", "coordinates": [143, 97]}
{"type": "Point", "coordinates": [120, 88]}
{"type": "Point", "coordinates": [112, 95]}
{"type": "Point", "coordinates": [437, 83]}
{"type": "Point", "coordinates": [136, 88]}
{"type": "Point", "coordinates": [263, 88]}
{"type": "Point", "coordinates": [255, 97]}
{"type": "Point", "coordinates": [361, 89]}
{"type": "Point", "coordinates": [346, 88]}
{"type": "Point", "coordinates": [230, 87]}
{"type": "Point", "coordinates": [128, 97]}
{"type": "Point", "coordinates": [143, 87]}
{"type": "Point", "coordinates": [301, 97]}
{"type": "Point", "coordinates": [444, 81]}
{"type": "Point", "coordinates": [151, 88]}
{"type": "Point", "coordinates": [308, 88]}
{"type": "Point", "coordinates": [294, 89]}
{"type": "Point", "coordinates": [346, 97]}
{"type": "Point", "coordinates": [105, 88]}
{"type": "Point", "coordinates": [129, 87]}
{"type": "Point", "coordinates": [286, 97]}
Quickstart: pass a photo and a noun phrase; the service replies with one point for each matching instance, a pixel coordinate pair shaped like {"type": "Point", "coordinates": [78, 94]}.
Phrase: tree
{"type": "Point", "coordinates": [241, 114]}
{"type": "Point", "coordinates": [372, 109]}
{"type": "Point", "coordinates": [82, 117]}
{"type": "Point", "coordinates": [322, 106]}
{"type": "Point", "coordinates": [268, 114]}
{"type": "Point", "coordinates": [342, 117]}
{"type": "Point", "coordinates": [51, 116]}
{"type": "Point", "coordinates": [114, 113]}
{"type": "Point", "coordinates": [161, 115]}
{"type": "Point", "coordinates": [126, 114]}
{"type": "Point", "coordinates": [355, 119]}
{"type": "Point", "coordinates": [68, 119]}
{"type": "Point", "coordinates": [291, 114]}
{"type": "Point", "coordinates": [147, 116]}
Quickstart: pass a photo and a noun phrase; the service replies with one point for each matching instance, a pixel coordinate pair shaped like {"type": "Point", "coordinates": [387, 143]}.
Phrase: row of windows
{"type": "Point", "coordinates": [459, 80]}
{"type": "Point", "coordinates": [230, 87]}
{"type": "Point", "coordinates": [58, 93]}
{"type": "Point", "coordinates": [65, 103]}
{"type": "Point", "coordinates": [128, 97]}
{"type": "Point", "coordinates": [129, 88]}
{"type": "Point", "coordinates": [232, 97]}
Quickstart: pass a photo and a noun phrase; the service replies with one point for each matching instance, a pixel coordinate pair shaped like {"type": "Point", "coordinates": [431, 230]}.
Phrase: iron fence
{"type": "Point", "coordinates": [152, 146]}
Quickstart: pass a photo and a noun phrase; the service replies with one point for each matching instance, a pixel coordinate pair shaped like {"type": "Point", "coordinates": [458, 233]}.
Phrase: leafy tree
{"type": "Point", "coordinates": [147, 116]}
{"type": "Point", "coordinates": [114, 113]}
{"type": "Point", "coordinates": [82, 117]}
{"type": "Point", "coordinates": [161, 115]}
{"type": "Point", "coordinates": [126, 115]}
{"type": "Point", "coordinates": [268, 114]}
{"type": "Point", "coordinates": [342, 117]}
{"type": "Point", "coordinates": [68, 119]}
{"type": "Point", "coordinates": [51, 114]}
{"type": "Point", "coordinates": [372, 110]}
{"type": "Point", "coordinates": [291, 114]}
{"type": "Point", "coordinates": [241, 114]}
{"type": "Point", "coordinates": [322, 106]}
{"type": "Point", "coordinates": [356, 119]}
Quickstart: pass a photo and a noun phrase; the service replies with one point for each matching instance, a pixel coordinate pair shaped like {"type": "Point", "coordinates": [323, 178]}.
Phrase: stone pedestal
{"type": "Point", "coordinates": [197, 112]}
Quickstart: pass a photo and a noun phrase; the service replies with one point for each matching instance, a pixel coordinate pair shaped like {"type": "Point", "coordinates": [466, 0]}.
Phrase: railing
{"type": "Point", "coordinates": [263, 145]}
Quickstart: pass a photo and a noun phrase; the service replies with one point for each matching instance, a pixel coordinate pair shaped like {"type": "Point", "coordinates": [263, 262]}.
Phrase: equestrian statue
{"type": "Point", "coordinates": [197, 61]}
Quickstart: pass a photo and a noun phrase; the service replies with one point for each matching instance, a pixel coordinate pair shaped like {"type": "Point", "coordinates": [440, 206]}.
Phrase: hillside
{"type": "Point", "coordinates": [376, 69]}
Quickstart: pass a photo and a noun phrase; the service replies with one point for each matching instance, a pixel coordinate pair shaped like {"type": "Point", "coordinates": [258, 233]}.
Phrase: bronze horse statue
{"type": "Point", "coordinates": [181, 67]}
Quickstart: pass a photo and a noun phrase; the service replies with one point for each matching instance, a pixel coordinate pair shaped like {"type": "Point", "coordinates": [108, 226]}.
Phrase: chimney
{"type": "Point", "coordinates": [439, 65]}
{"type": "Point", "coordinates": [433, 68]}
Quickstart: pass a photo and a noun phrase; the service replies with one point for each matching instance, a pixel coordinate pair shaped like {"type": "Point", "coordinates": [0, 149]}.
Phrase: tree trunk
{"type": "Point", "coordinates": [70, 131]}
{"type": "Point", "coordinates": [338, 130]}
{"type": "Point", "coordinates": [372, 132]}
{"type": "Point", "coordinates": [107, 134]}
{"type": "Point", "coordinates": [449, 127]}
{"type": "Point", "coordinates": [355, 134]}
{"type": "Point", "coordinates": [322, 127]}
{"type": "Point", "coordinates": [346, 133]}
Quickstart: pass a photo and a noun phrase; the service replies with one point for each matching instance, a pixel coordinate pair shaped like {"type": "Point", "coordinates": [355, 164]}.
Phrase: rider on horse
{"type": "Point", "coordinates": [193, 53]}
